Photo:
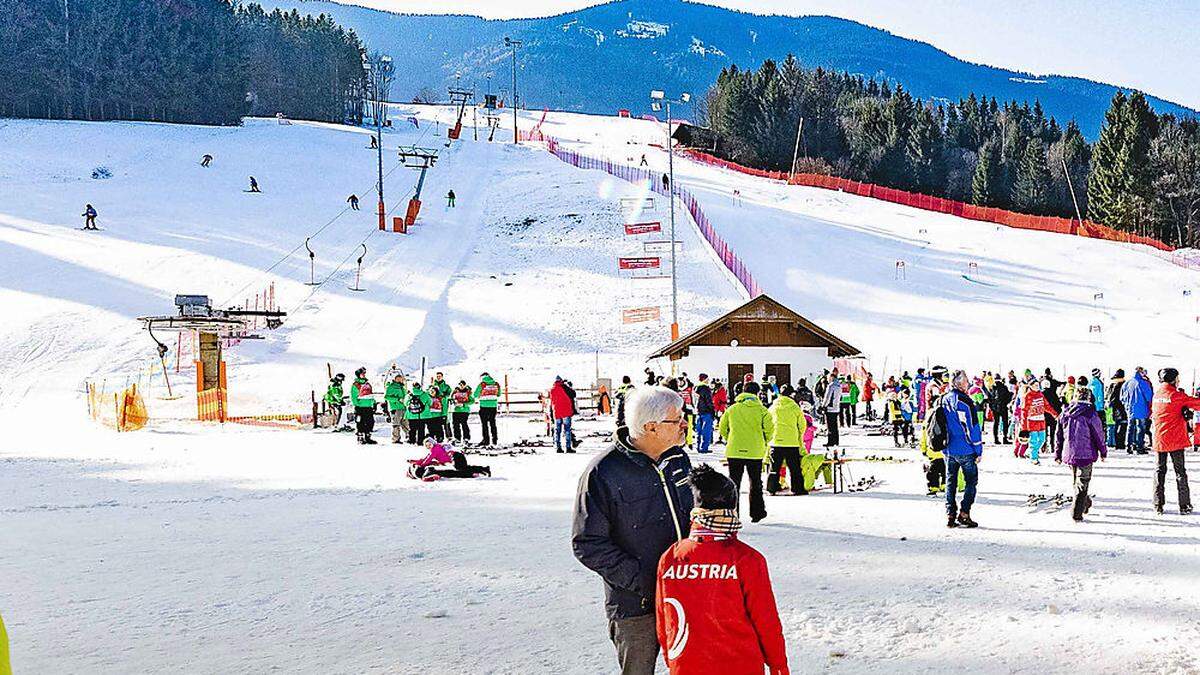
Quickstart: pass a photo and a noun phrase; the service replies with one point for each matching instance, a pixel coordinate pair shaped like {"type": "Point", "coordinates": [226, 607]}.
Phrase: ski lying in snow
{"type": "Point", "coordinates": [1058, 499]}
{"type": "Point", "coordinates": [864, 484]}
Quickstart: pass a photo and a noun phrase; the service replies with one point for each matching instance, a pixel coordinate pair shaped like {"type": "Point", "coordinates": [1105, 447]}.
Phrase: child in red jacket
{"type": "Point", "coordinates": [715, 608]}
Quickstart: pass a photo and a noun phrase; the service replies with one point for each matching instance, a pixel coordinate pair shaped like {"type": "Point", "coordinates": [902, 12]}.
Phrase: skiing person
{"type": "Point", "coordinates": [964, 449]}
{"type": "Point", "coordinates": [747, 428]}
{"type": "Point", "coordinates": [335, 398]}
{"type": "Point", "coordinates": [89, 218]}
{"type": "Point", "coordinates": [206, 160]}
{"type": "Point", "coordinates": [363, 400]}
{"type": "Point", "coordinates": [1171, 438]}
{"type": "Point", "coordinates": [832, 404]}
{"type": "Point", "coordinates": [1080, 443]}
{"type": "Point", "coordinates": [374, 143]}
{"type": "Point", "coordinates": [254, 185]}
{"type": "Point", "coordinates": [715, 609]}
{"type": "Point", "coordinates": [631, 505]}
{"type": "Point", "coordinates": [643, 162]}
{"type": "Point", "coordinates": [487, 392]}
{"type": "Point", "coordinates": [1137, 395]}
{"type": "Point", "coordinates": [706, 413]}
{"type": "Point", "coordinates": [562, 407]}
{"type": "Point", "coordinates": [395, 395]}
{"type": "Point", "coordinates": [450, 199]}
{"type": "Point", "coordinates": [353, 201]}
{"type": "Point", "coordinates": [787, 442]}
{"type": "Point", "coordinates": [460, 400]}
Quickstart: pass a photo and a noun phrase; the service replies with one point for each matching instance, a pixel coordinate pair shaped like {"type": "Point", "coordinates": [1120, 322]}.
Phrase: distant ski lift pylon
{"type": "Point", "coordinates": [422, 159]}
{"type": "Point", "coordinates": [459, 97]}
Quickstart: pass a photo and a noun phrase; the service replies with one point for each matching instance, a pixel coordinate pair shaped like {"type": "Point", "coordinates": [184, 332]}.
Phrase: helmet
{"type": "Point", "coordinates": [339, 377]}
{"type": "Point", "coordinates": [360, 372]}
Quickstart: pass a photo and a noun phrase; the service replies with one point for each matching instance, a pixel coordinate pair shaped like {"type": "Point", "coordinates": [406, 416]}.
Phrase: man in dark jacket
{"type": "Point", "coordinates": [705, 413]}
{"type": "Point", "coordinates": [1050, 389]}
{"type": "Point", "coordinates": [1118, 422]}
{"type": "Point", "coordinates": [998, 399]}
{"type": "Point", "coordinates": [803, 393]}
{"type": "Point", "coordinates": [633, 503]}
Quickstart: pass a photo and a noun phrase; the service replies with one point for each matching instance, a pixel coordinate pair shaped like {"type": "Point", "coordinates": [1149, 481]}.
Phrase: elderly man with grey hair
{"type": "Point", "coordinates": [633, 502]}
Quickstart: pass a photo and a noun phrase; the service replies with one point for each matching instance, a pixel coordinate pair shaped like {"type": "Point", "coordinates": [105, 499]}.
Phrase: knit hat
{"type": "Point", "coordinates": [1120, 373]}
{"type": "Point", "coordinates": [712, 489]}
{"type": "Point", "coordinates": [1095, 372]}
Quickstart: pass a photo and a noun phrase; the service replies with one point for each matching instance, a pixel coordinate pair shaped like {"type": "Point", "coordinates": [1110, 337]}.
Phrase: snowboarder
{"type": "Point", "coordinates": [487, 392]}
{"type": "Point", "coordinates": [254, 185]}
{"type": "Point", "coordinates": [89, 216]}
{"type": "Point", "coordinates": [363, 400]}
{"type": "Point", "coordinates": [1079, 444]}
{"type": "Point", "coordinates": [450, 199]}
{"type": "Point", "coordinates": [708, 621]}
{"type": "Point", "coordinates": [205, 160]}
{"type": "Point", "coordinates": [353, 200]}
{"type": "Point", "coordinates": [1171, 438]}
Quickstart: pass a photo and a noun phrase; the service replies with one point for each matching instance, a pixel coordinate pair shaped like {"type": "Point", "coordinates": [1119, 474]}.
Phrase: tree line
{"type": "Point", "coordinates": [189, 61]}
{"type": "Point", "coordinates": [1141, 175]}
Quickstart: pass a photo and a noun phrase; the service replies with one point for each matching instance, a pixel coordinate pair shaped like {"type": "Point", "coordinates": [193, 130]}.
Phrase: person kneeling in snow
{"type": "Point", "coordinates": [715, 609]}
{"type": "Point", "coordinates": [438, 455]}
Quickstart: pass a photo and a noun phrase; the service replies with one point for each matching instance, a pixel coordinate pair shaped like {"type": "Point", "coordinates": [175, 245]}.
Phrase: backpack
{"type": "Point", "coordinates": [415, 405]}
{"type": "Point", "coordinates": [935, 425]}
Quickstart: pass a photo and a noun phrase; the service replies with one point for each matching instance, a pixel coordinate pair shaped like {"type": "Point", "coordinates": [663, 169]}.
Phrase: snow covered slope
{"type": "Point", "coordinates": [520, 278]}
{"type": "Point", "coordinates": [972, 293]}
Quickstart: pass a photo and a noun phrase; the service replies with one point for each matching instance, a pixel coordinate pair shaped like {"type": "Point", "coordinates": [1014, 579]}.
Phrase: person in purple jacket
{"type": "Point", "coordinates": [1080, 436]}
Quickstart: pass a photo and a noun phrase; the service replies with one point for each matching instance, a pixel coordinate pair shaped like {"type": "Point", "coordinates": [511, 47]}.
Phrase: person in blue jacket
{"type": "Point", "coordinates": [964, 449]}
{"type": "Point", "coordinates": [1137, 395]}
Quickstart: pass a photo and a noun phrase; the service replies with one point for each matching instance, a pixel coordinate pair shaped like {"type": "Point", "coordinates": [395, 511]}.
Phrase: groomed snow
{"type": "Point", "coordinates": [201, 548]}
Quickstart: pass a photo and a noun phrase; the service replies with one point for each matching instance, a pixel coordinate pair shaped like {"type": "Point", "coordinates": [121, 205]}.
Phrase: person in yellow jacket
{"type": "Point", "coordinates": [787, 442]}
{"type": "Point", "coordinates": [5, 666]}
{"type": "Point", "coordinates": [746, 428]}
{"type": "Point", "coordinates": [935, 472]}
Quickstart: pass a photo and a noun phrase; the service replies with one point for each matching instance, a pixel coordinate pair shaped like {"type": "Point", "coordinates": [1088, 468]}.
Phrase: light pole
{"type": "Point", "coordinates": [513, 44]}
{"type": "Point", "coordinates": [658, 100]}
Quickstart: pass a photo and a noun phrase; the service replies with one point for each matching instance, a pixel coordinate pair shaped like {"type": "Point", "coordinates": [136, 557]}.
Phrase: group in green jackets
{"type": "Point", "coordinates": [418, 412]}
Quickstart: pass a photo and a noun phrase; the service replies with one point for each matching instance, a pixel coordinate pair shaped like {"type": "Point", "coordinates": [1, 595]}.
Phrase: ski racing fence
{"type": "Point", "coordinates": [635, 175]}
{"type": "Point", "coordinates": [949, 206]}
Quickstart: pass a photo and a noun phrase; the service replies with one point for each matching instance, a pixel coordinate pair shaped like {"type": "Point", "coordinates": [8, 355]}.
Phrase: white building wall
{"type": "Point", "coordinates": [804, 361]}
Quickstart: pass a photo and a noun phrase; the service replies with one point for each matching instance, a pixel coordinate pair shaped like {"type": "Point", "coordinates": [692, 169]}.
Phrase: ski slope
{"type": "Point", "coordinates": [972, 294]}
{"type": "Point", "coordinates": [520, 278]}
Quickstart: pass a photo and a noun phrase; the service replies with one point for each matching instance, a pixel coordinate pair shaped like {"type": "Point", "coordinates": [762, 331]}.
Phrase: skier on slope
{"type": "Point", "coordinates": [363, 400]}
{"type": "Point", "coordinates": [353, 201]}
{"type": "Point", "coordinates": [714, 602]}
{"type": "Point", "coordinates": [450, 199]}
{"type": "Point", "coordinates": [254, 185]}
{"type": "Point", "coordinates": [89, 216]}
{"type": "Point", "coordinates": [206, 160]}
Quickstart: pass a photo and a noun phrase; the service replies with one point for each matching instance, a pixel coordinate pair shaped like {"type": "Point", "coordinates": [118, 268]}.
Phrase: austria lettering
{"type": "Point", "coordinates": [701, 572]}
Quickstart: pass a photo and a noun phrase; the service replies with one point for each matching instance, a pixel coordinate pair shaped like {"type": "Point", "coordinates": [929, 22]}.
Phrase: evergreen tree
{"type": "Point", "coordinates": [1032, 187]}
{"type": "Point", "coordinates": [986, 183]}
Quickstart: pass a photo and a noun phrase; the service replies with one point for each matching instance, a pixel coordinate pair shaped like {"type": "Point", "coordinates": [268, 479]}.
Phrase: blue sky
{"type": "Point", "coordinates": [1148, 44]}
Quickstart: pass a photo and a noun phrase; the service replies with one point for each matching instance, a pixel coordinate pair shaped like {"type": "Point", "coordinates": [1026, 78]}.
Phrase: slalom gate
{"type": "Point", "coordinates": [1004, 217]}
{"type": "Point", "coordinates": [636, 175]}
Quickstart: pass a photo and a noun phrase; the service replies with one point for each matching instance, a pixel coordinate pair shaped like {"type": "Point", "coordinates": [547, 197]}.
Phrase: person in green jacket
{"type": "Point", "coordinates": [362, 397]}
{"type": "Point", "coordinates": [460, 407]}
{"type": "Point", "coordinates": [443, 389]}
{"type": "Point", "coordinates": [435, 413]}
{"type": "Point", "coordinates": [414, 411]}
{"type": "Point", "coordinates": [335, 398]}
{"type": "Point", "coordinates": [395, 395]}
{"type": "Point", "coordinates": [787, 442]}
{"type": "Point", "coordinates": [487, 392]}
{"type": "Point", "coordinates": [854, 393]}
{"type": "Point", "coordinates": [747, 427]}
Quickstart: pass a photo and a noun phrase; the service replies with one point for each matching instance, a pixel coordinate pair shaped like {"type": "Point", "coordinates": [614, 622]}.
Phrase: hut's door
{"type": "Point", "coordinates": [737, 371]}
{"type": "Point", "coordinates": [781, 371]}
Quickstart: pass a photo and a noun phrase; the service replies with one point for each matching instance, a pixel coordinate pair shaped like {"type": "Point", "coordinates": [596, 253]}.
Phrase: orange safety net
{"type": "Point", "coordinates": [1012, 219]}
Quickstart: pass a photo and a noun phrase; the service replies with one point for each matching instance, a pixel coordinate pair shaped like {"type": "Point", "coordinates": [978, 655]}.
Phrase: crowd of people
{"type": "Point", "coordinates": [676, 578]}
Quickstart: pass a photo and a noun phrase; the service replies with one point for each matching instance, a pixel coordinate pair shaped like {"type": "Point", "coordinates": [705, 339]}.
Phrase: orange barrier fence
{"type": "Point", "coordinates": [124, 410]}
{"type": "Point", "coordinates": [929, 203]}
